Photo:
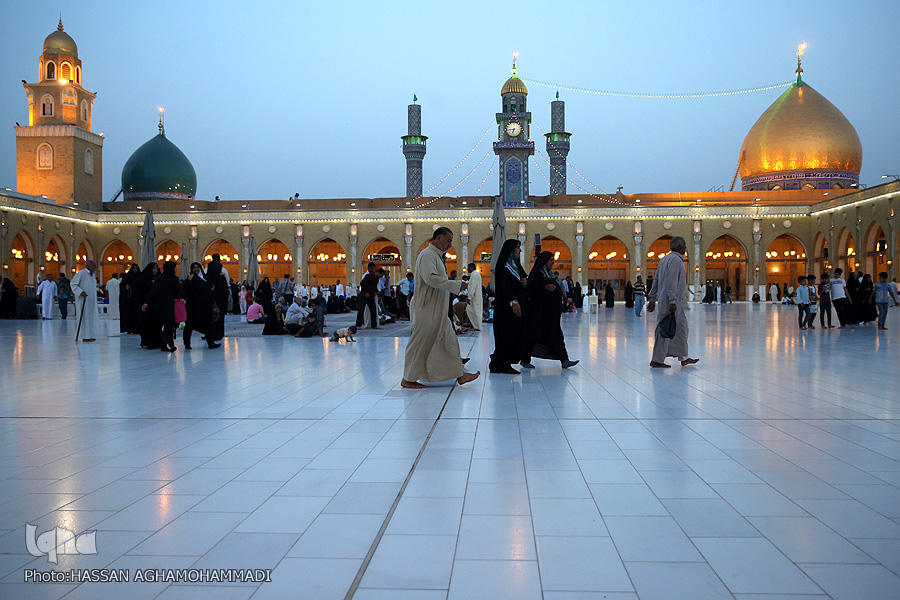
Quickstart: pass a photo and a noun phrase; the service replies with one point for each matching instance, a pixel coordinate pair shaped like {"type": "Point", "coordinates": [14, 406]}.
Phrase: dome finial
{"type": "Point", "coordinates": [59, 27]}
{"type": "Point", "coordinates": [800, 48]}
{"type": "Point", "coordinates": [162, 117]}
{"type": "Point", "coordinates": [515, 57]}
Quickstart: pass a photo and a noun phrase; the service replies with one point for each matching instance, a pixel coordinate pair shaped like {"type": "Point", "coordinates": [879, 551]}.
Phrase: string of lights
{"type": "Point", "coordinates": [569, 164]}
{"type": "Point", "coordinates": [657, 96]}
{"type": "Point", "coordinates": [458, 165]}
{"type": "Point", "coordinates": [491, 170]}
{"type": "Point", "coordinates": [605, 197]}
{"type": "Point", "coordinates": [461, 181]}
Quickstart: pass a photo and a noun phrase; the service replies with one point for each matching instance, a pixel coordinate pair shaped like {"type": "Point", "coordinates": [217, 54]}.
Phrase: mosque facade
{"type": "Point", "coordinates": [799, 209]}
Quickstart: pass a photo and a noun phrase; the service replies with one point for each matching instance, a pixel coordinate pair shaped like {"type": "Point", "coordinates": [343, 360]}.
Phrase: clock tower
{"type": "Point", "coordinates": [513, 145]}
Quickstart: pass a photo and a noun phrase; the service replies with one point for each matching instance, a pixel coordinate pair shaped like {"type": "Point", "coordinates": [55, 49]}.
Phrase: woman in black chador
{"type": "Point", "coordinates": [161, 301]}
{"type": "Point", "coordinates": [8, 299]}
{"type": "Point", "coordinates": [148, 323]}
{"type": "Point", "coordinates": [199, 301]}
{"type": "Point", "coordinates": [610, 296]}
{"type": "Point", "coordinates": [129, 318]}
{"type": "Point", "coordinates": [629, 295]}
{"type": "Point", "coordinates": [543, 329]}
{"type": "Point", "coordinates": [509, 309]}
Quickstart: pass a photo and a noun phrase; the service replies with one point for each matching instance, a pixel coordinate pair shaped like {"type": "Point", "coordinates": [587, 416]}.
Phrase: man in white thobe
{"type": "Point", "coordinates": [669, 287]}
{"type": "Point", "coordinates": [432, 353]}
{"type": "Point", "coordinates": [112, 290]}
{"type": "Point", "coordinates": [84, 287]}
{"type": "Point", "coordinates": [339, 289]}
{"type": "Point", "coordinates": [48, 292]}
{"type": "Point", "coordinates": [476, 303]}
{"type": "Point", "coordinates": [773, 292]}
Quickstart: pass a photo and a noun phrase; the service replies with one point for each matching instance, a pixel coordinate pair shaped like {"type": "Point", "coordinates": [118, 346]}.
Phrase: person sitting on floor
{"type": "Point", "coordinates": [309, 328]}
{"type": "Point", "coordinates": [255, 313]}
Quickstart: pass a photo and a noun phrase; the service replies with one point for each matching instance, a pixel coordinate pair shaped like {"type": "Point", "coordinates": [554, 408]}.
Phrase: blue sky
{"type": "Point", "coordinates": [271, 98]}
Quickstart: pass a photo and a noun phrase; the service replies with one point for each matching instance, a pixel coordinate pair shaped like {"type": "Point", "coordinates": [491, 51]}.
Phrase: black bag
{"type": "Point", "coordinates": [666, 327]}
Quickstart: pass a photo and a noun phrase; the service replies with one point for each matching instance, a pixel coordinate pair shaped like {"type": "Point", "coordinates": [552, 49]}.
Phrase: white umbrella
{"type": "Point", "coordinates": [253, 266]}
{"type": "Point", "coordinates": [185, 263]}
{"type": "Point", "coordinates": [148, 241]}
{"type": "Point", "coordinates": [498, 222]}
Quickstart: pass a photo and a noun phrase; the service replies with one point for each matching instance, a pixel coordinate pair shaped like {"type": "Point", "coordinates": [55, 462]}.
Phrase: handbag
{"type": "Point", "coordinates": [813, 308]}
{"type": "Point", "coordinates": [666, 327]}
{"type": "Point", "coordinates": [180, 311]}
{"type": "Point", "coordinates": [215, 312]}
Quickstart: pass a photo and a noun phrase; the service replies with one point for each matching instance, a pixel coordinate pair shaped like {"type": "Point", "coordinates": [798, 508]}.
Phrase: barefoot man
{"type": "Point", "coordinates": [432, 353]}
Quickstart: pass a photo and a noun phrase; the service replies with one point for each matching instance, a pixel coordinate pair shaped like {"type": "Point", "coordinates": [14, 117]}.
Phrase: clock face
{"type": "Point", "coordinates": [513, 129]}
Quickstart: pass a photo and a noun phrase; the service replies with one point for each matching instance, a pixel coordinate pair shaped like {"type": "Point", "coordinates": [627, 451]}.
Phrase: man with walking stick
{"type": "Point", "coordinates": [84, 287]}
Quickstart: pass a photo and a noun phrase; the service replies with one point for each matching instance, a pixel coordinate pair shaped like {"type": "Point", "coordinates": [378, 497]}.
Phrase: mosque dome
{"type": "Point", "coordinates": [802, 141]}
{"type": "Point", "coordinates": [158, 170]}
{"type": "Point", "coordinates": [60, 42]}
{"type": "Point", "coordinates": [514, 85]}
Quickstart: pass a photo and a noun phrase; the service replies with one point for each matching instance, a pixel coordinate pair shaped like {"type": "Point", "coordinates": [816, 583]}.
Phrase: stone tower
{"type": "Point", "coordinates": [57, 155]}
{"type": "Point", "coordinates": [414, 150]}
{"type": "Point", "coordinates": [557, 146]}
{"type": "Point", "coordinates": [513, 145]}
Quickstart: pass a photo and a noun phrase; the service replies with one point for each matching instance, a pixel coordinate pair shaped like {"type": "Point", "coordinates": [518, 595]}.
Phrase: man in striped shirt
{"type": "Point", "coordinates": [640, 293]}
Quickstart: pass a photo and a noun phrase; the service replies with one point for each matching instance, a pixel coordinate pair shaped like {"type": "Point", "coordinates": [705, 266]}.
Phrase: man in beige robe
{"type": "Point", "coordinates": [432, 353]}
{"type": "Point", "coordinates": [669, 287]}
{"type": "Point", "coordinates": [476, 303]}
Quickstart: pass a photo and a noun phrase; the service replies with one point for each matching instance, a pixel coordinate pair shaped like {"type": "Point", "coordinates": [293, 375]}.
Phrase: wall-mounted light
{"type": "Point", "coordinates": [353, 229]}
{"type": "Point", "coordinates": [579, 228]}
{"type": "Point", "coordinates": [521, 228]}
{"type": "Point", "coordinates": [246, 231]}
{"type": "Point", "coordinates": [409, 229]}
{"type": "Point", "coordinates": [299, 230]}
{"type": "Point", "coordinates": [464, 229]}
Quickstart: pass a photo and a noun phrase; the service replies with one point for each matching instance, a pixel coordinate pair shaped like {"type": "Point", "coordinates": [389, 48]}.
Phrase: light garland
{"type": "Point", "coordinates": [604, 197]}
{"type": "Point", "coordinates": [478, 191]}
{"type": "Point", "coordinates": [608, 197]}
{"type": "Point", "coordinates": [436, 198]}
{"type": "Point", "coordinates": [458, 165]}
{"type": "Point", "coordinates": [657, 96]}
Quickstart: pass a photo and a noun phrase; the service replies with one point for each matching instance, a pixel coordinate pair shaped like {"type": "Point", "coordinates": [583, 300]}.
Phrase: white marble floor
{"type": "Point", "coordinates": [770, 470]}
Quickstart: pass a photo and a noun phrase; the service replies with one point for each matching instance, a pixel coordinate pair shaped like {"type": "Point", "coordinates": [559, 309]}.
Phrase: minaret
{"type": "Point", "coordinates": [513, 146]}
{"type": "Point", "coordinates": [57, 154]}
{"type": "Point", "coordinates": [557, 146]}
{"type": "Point", "coordinates": [414, 149]}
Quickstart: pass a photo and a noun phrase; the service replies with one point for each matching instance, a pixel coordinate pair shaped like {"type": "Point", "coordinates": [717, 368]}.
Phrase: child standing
{"type": "Point", "coordinates": [882, 294]}
{"type": "Point", "coordinates": [803, 301]}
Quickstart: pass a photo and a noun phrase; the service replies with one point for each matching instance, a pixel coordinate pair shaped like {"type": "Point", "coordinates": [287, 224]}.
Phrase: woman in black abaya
{"type": "Point", "coordinates": [161, 301]}
{"type": "Point", "coordinates": [148, 323]}
{"type": "Point", "coordinates": [199, 301]}
{"type": "Point", "coordinates": [509, 309]}
{"type": "Point", "coordinates": [629, 295]}
{"type": "Point", "coordinates": [610, 296]}
{"type": "Point", "coordinates": [543, 329]}
{"type": "Point", "coordinates": [129, 320]}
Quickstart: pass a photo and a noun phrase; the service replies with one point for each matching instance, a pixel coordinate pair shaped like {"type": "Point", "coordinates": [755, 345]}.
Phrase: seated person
{"type": "Point", "coordinates": [460, 315]}
{"type": "Point", "coordinates": [309, 328]}
{"type": "Point", "coordinates": [275, 323]}
{"type": "Point", "coordinates": [344, 334]}
{"type": "Point", "coordinates": [255, 313]}
{"type": "Point", "coordinates": [318, 310]}
{"type": "Point", "coordinates": [282, 302]}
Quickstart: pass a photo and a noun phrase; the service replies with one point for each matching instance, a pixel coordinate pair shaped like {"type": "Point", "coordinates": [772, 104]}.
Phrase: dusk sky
{"type": "Point", "coordinates": [268, 99]}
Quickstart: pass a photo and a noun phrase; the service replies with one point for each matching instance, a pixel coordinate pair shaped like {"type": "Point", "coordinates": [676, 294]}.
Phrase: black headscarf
{"type": "Point", "coordinates": [537, 271]}
{"type": "Point", "coordinates": [506, 251]}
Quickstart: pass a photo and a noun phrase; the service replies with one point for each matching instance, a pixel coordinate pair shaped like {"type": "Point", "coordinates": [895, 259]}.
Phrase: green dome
{"type": "Point", "coordinates": [60, 42]}
{"type": "Point", "coordinates": [158, 170]}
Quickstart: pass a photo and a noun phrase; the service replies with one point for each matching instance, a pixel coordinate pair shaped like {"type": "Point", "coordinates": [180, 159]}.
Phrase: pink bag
{"type": "Point", "coordinates": [180, 311]}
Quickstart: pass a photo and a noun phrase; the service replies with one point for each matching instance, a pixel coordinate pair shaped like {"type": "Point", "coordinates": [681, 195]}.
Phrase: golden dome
{"type": "Point", "coordinates": [60, 42]}
{"type": "Point", "coordinates": [514, 85]}
{"type": "Point", "coordinates": [800, 131]}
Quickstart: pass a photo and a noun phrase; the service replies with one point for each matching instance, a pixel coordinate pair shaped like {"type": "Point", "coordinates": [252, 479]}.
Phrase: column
{"type": "Point", "coordinates": [640, 258]}
{"type": "Point", "coordinates": [354, 239]}
{"type": "Point", "coordinates": [464, 254]}
{"type": "Point", "coordinates": [244, 267]}
{"type": "Point", "coordinates": [40, 250]}
{"type": "Point", "coordinates": [4, 240]}
{"type": "Point", "coordinates": [299, 259]}
{"type": "Point", "coordinates": [578, 262]}
{"type": "Point", "coordinates": [858, 242]}
{"type": "Point", "coordinates": [697, 258]}
{"type": "Point", "coordinates": [526, 249]}
{"type": "Point", "coordinates": [408, 239]}
{"type": "Point", "coordinates": [757, 238]}
{"type": "Point", "coordinates": [891, 235]}
{"type": "Point", "coordinates": [195, 250]}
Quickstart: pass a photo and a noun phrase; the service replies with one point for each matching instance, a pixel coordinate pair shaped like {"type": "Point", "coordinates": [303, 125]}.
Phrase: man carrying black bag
{"type": "Point", "coordinates": [669, 287]}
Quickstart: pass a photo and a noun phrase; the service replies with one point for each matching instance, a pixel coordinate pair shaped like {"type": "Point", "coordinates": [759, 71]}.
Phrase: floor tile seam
{"type": "Point", "coordinates": [530, 501]}
{"type": "Point", "coordinates": [357, 580]}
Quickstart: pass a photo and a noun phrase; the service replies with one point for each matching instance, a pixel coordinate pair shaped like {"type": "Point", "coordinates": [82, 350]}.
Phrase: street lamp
{"type": "Point", "coordinates": [896, 177]}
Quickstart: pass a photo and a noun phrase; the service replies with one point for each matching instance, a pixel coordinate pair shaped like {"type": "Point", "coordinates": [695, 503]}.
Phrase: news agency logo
{"type": "Point", "coordinates": [59, 540]}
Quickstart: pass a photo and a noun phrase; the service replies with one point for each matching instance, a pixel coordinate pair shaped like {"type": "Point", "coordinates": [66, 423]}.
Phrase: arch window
{"type": "Point", "coordinates": [726, 264]}
{"type": "Point", "coordinates": [45, 156]}
{"type": "Point", "coordinates": [88, 162]}
{"type": "Point", "coordinates": [65, 71]}
{"type": "Point", "coordinates": [384, 253]}
{"type": "Point", "coordinates": [837, 186]}
{"type": "Point", "coordinates": [117, 258]}
{"type": "Point", "coordinates": [55, 257]}
{"type": "Point", "coordinates": [70, 98]}
{"type": "Point", "coordinates": [84, 110]}
{"type": "Point", "coordinates": [51, 70]}
{"type": "Point", "coordinates": [47, 106]}
{"type": "Point", "coordinates": [482, 259]}
{"type": "Point", "coordinates": [785, 261]}
{"type": "Point", "coordinates": [275, 260]}
{"type": "Point", "coordinates": [21, 261]}
{"type": "Point", "coordinates": [775, 187]}
{"type": "Point", "coordinates": [327, 263]}
{"type": "Point", "coordinates": [608, 262]}
{"type": "Point", "coordinates": [808, 186]}
{"type": "Point", "coordinates": [561, 255]}
{"type": "Point", "coordinates": [78, 75]}
{"type": "Point", "coordinates": [84, 253]}
{"type": "Point", "coordinates": [41, 71]}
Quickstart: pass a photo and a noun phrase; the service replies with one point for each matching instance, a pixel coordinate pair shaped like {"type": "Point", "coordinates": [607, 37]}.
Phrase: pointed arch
{"type": "Point", "coordinates": [21, 267]}
{"type": "Point", "coordinates": [116, 257]}
{"type": "Point", "coordinates": [168, 250]}
{"type": "Point", "coordinates": [482, 259]}
{"type": "Point", "coordinates": [876, 250]}
{"type": "Point", "coordinates": [726, 264]}
{"type": "Point", "coordinates": [609, 260]}
{"type": "Point", "coordinates": [385, 254]}
{"type": "Point", "coordinates": [275, 260]}
{"type": "Point", "coordinates": [785, 260]}
{"type": "Point", "coordinates": [65, 71]}
{"type": "Point", "coordinates": [327, 263]}
{"type": "Point", "coordinates": [820, 253]}
{"type": "Point", "coordinates": [55, 256]}
{"type": "Point", "coordinates": [562, 256]}
{"type": "Point", "coordinates": [450, 256]}
{"type": "Point", "coordinates": [845, 257]}
{"type": "Point", "coordinates": [45, 157]}
{"type": "Point", "coordinates": [47, 105]}
{"type": "Point", "coordinates": [51, 70]}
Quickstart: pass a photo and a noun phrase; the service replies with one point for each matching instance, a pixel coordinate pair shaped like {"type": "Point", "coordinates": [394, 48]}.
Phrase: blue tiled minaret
{"type": "Point", "coordinates": [557, 146]}
{"type": "Point", "coordinates": [414, 149]}
{"type": "Point", "coordinates": [513, 145]}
